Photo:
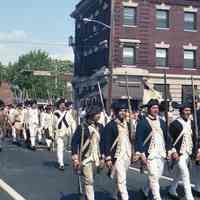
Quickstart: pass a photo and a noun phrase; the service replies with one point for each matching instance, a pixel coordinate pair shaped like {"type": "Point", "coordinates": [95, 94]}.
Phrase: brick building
{"type": "Point", "coordinates": [149, 37]}
{"type": "Point", "coordinates": [6, 94]}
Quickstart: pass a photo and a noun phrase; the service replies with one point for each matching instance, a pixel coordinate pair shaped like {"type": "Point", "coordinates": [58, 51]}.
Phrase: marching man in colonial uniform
{"type": "Point", "coordinates": [33, 123]}
{"type": "Point", "coordinates": [70, 112]}
{"type": "Point", "coordinates": [152, 145]}
{"type": "Point", "coordinates": [41, 122]}
{"type": "Point", "coordinates": [47, 125]}
{"type": "Point", "coordinates": [86, 150]}
{"type": "Point", "coordinates": [11, 122]}
{"type": "Point", "coordinates": [62, 123]}
{"type": "Point", "coordinates": [2, 122]}
{"type": "Point", "coordinates": [183, 136]}
{"type": "Point", "coordinates": [118, 147]}
{"type": "Point", "coordinates": [18, 123]}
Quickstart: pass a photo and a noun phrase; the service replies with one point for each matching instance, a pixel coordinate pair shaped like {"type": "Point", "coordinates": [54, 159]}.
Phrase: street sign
{"type": "Point", "coordinates": [41, 73]}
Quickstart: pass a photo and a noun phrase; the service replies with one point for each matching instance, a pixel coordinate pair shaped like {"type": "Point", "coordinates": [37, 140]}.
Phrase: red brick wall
{"type": "Point", "coordinates": [5, 93]}
{"type": "Point", "coordinates": [146, 31]}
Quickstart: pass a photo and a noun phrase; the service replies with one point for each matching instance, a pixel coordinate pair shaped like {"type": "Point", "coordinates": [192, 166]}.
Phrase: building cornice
{"type": "Point", "coordinates": [82, 7]}
{"type": "Point", "coordinates": [190, 9]}
{"type": "Point", "coordinates": [195, 3]}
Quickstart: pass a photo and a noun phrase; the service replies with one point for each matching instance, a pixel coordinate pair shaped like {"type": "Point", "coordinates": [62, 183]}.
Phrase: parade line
{"type": "Point", "coordinates": [10, 191]}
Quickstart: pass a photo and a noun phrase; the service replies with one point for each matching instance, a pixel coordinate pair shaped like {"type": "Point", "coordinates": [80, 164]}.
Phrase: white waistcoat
{"type": "Point", "coordinates": [124, 144]}
{"type": "Point", "coordinates": [157, 144]}
{"type": "Point", "coordinates": [187, 143]}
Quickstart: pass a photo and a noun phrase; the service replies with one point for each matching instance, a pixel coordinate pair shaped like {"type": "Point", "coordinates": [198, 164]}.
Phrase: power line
{"type": "Point", "coordinates": [34, 43]}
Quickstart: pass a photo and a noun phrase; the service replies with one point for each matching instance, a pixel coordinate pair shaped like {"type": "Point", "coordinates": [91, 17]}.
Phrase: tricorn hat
{"type": "Point", "coordinates": [152, 102]}
{"type": "Point", "coordinates": [93, 110]}
{"type": "Point", "coordinates": [120, 104]}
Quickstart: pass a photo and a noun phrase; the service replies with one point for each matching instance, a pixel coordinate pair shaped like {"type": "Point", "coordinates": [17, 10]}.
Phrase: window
{"type": "Point", "coordinates": [129, 56]}
{"type": "Point", "coordinates": [161, 57]}
{"type": "Point", "coordinates": [162, 18]}
{"type": "Point", "coordinates": [187, 92]}
{"type": "Point", "coordinates": [189, 21]}
{"type": "Point", "coordinates": [189, 58]}
{"type": "Point", "coordinates": [129, 16]}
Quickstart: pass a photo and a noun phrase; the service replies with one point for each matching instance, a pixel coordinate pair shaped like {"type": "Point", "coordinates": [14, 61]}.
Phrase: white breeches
{"type": "Point", "coordinates": [182, 173]}
{"type": "Point", "coordinates": [121, 167]}
{"type": "Point", "coordinates": [14, 133]}
{"type": "Point", "coordinates": [24, 134]}
{"type": "Point", "coordinates": [33, 132]}
{"type": "Point", "coordinates": [48, 142]}
{"type": "Point", "coordinates": [88, 181]}
{"type": "Point", "coordinates": [155, 170]}
{"type": "Point", "coordinates": [40, 133]}
{"type": "Point", "coordinates": [60, 150]}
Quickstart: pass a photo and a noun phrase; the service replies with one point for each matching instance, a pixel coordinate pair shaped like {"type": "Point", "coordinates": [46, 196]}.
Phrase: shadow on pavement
{"type": "Point", "coordinates": [98, 196]}
{"type": "Point", "coordinates": [53, 164]}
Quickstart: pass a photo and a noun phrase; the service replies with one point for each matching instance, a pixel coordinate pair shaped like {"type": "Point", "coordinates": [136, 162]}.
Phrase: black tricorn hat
{"type": "Point", "coordinates": [93, 110]}
{"type": "Point", "coordinates": [19, 105]}
{"type": "Point", "coordinates": [152, 102]}
{"type": "Point", "coordinates": [62, 100]}
{"type": "Point", "coordinates": [33, 102]}
{"type": "Point", "coordinates": [68, 103]}
{"type": "Point", "coordinates": [27, 102]}
{"type": "Point", "coordinates": [187, 104]}
{"type": "Point", "coordinates": [175, 105]}
{"type": "Point", "coordinates": [120, 104]}
{"type": "Point", "coordinates": [48, 107]}
{"type": "Point", "coordinates": [134, 105]}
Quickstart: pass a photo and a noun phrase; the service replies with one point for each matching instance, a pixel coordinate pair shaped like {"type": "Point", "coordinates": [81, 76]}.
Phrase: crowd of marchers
{"type": "Point", "coordinates": [98, 141]}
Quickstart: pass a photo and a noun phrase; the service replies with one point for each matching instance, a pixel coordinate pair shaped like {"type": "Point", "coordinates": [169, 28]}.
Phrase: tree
{"type": "Point", "coordinates": [2, 72]}
{"type": "Point", "coordinates": [21, 74]}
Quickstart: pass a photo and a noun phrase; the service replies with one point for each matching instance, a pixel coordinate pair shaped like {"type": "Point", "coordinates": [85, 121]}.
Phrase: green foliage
{"type": "Point", "coordinates": [21, 74]}
{"type": "Point", "coordinates": [2, 72]}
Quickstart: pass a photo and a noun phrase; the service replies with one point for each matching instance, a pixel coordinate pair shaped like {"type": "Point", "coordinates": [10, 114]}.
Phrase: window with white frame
{"type": "Point", "coordinates": [161, 57]}
{"type": "Point", "coordinates": [189, 58]}
{"type": "Point", "coordinates": [189, 21]}
{"type": "Point", "coordinates": [129, 55]}
{"type": "Point", "coordinates": [129, 16]}
{"type": "Point", "coordinates": [162, 18]}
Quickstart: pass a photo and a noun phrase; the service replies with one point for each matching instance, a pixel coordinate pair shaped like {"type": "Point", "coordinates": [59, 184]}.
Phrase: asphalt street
{"type": "Point", "coordinates": [35, 177]}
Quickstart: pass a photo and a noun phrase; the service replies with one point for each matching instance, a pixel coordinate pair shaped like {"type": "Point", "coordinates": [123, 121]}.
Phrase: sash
{"type": "Point", "coordinates": [182, 132]}
{"type": "Point", "coordinates": [61, 119]}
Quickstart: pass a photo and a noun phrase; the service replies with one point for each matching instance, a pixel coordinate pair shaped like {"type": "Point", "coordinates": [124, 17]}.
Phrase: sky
{"type": "Point", "coordinates": [27, 25]}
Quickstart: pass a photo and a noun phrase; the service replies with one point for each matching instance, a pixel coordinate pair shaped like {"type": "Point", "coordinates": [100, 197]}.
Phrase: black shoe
{"type": "Point", "coordinates": [144, 193]}
{"type": "Point", "coordinates": [61, 168]}
{"type": "Point", "coordinates": [33, 148]}
{"type": "Point", "coordinates": [18, 144]}
{"type": "Point", "coordinates": [0, 149]}
{"type": "Point", "coordinates": [195, 192]}
{"type": "Point", "coordinates": [174, 196]}
{"type": "Point", "coordinates": [14, 142]}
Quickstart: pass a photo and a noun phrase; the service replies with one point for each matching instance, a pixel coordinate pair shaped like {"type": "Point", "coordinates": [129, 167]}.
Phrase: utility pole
{"type": "Point", "coordinates": [110, 80]}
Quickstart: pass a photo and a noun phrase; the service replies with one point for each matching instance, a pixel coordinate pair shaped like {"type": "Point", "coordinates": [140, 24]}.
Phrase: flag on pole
{"type": "Point", "coordinates": [150, 93]}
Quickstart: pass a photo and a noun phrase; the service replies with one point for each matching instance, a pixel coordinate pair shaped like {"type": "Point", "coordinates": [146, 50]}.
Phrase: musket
{"type": "Point", "coordinates": [195, 117]}
{"type": "Point", "coordinates": [169, 166]}
{"type": "Point", "coordinates": [130, 112]}
{"type": "Point", "coordinates": [102, 102]}
{"type": "Point", "coordinates": [131, 123]}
